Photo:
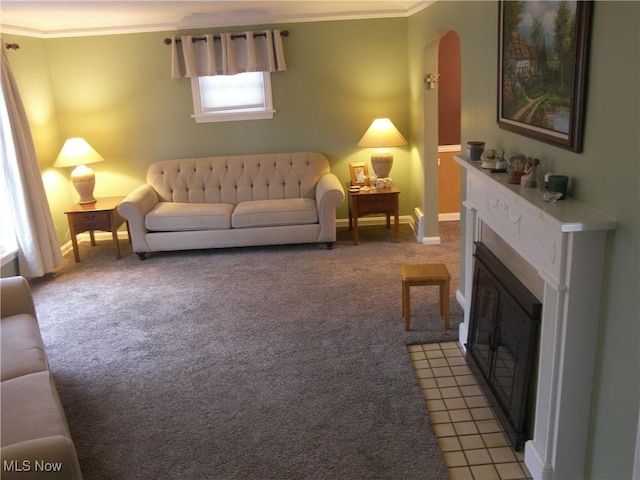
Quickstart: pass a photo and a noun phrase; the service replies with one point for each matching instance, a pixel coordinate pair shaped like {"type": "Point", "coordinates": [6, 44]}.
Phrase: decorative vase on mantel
{"type": "Point", "coordinates": [516, 168]}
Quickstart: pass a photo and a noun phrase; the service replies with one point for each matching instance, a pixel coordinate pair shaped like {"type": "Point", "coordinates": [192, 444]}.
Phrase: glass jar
{"type": "Point", "coordinates": [474, 151]}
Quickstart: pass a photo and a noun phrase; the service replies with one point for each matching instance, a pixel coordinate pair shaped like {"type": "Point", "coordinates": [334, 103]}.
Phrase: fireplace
{"type": "Point", "coordinates": [502, 342]}
{"type": "Point", "coordinates": [563, 243]}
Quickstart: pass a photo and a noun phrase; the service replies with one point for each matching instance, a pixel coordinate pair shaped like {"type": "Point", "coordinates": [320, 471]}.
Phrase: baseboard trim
{"type": "Point", "coordinates": [460, 299]}
{"type": "Point", "coordinates": [404, 219]}
{"type": "Point", "coordinates": [379, 220]}
{"type": "Point", "coordinates": [431, 241]}
{"type": "Point", "coordinates": [99, 236]}
{"type": "Point", "coordinates": [449, 148]}
{"type": "Point", "coordinates": [462, 329]}
{"type": "Point", "coordinates": [67, 247]}
{"type": "Point", "coordinates": [8, 257]}
{"type": "Point", "coordinates": [448, 217]}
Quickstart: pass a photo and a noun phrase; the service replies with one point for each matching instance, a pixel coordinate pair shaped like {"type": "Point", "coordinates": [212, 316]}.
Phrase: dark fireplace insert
{"type": "Point", "coordinates": [503, 341]}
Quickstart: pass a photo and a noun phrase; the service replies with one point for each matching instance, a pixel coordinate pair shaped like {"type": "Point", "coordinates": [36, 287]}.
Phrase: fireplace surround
{"type": "Point", "coordinates": [564, 243]}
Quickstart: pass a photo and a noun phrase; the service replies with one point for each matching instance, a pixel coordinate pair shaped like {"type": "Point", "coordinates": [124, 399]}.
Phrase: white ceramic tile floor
{"type": "Point", "coordinates": [473, 444]}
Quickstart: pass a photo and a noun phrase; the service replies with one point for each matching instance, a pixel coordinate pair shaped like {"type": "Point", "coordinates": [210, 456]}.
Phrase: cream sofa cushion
{"type": "Point", "coordinates": [173, 217]}
{"type": "Point", "coordinates": [57, 450]}
{"type": "Point", "coordinates": [34, 428]}
{"type": "Point", "coordinates": [31, 409]}
{"type": "Point", "coordinates": [21, 347]}
{"type": "Point", "coordinates": [269, 213]}
{"type": "Point", "coordinates": [32, 422]}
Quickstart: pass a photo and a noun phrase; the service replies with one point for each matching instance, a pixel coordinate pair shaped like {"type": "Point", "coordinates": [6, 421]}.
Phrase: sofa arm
{"type": "Point", "coordinates": [134, 209]}
{"type": "Point", "coordinates": [15, 297]}
{"type": "Point", "coordinates": [329, 195]}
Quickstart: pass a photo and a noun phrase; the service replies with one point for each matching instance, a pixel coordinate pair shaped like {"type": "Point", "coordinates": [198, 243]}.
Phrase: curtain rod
{"type": "Point", "coordinates": [12, 46]}
{"type": "Point", "coordinates": [284, 33]}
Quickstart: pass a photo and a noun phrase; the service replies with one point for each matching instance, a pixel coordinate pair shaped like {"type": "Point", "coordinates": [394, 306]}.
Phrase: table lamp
{"type": "Point", "coordinates": [382, 134]}
{"type": "Point", "coordinates": [76, 152]}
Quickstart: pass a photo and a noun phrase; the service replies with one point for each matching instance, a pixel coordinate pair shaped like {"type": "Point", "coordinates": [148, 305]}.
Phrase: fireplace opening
{"type": "Point", "coordinates": [503, 341]}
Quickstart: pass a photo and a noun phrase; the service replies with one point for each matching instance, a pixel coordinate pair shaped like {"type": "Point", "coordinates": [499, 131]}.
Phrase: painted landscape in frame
{"type": "Point", "coordinates": [543, 48]}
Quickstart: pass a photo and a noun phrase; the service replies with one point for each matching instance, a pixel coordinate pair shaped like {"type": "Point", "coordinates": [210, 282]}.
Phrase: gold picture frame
{"type": "Point", "coordinates": [359, 173]}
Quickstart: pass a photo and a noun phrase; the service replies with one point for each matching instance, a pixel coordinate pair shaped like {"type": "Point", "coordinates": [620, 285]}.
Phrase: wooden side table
{"type": "Point", "coordinates": [374, 200]}
{"type": "Point", "coordinates": [101, 215]}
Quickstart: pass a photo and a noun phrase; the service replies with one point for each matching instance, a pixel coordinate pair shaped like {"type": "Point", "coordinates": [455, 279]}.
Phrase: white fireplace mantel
{"type": "Point", "coordinates": [564, 242]}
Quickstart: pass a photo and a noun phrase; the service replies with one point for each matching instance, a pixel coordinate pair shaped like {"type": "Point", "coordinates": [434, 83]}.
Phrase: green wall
{"type": "Point", "coordinates": [606, 177]}
{"type": "Point", "coordinates": [116, 91]}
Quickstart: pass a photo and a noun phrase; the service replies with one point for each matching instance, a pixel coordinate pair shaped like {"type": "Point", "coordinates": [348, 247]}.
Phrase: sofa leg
{"type": "Point", "coordinates": [330, 245]}
{"type": "Point", "coordinates": [142, 255]}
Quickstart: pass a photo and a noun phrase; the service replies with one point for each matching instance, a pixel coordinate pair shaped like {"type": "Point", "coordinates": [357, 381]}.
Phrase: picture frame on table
{"type": "Point", "coordinates": [359, 174]}
{"type": "Point", "coordinates": [543, 49]}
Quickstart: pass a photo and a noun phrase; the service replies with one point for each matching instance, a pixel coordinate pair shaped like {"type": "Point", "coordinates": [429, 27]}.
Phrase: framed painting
{"type": "Point", "coordinates": [359, 174]}
{"type": "Point", "coordinates": [542, 68]}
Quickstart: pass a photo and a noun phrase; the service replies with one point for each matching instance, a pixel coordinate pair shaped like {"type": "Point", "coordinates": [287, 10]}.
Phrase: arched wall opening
{"type": "Point", "coordinates": [441, 134]}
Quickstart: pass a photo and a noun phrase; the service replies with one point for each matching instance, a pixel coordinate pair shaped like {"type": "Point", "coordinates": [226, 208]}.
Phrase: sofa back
{"type": "Point", "coordinates": [238, 178]}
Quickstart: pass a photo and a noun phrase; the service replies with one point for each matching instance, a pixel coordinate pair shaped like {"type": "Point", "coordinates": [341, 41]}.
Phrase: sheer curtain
{"type": "Point", "coordinates": [227, 54]}
{"type": "Point", "coordinates": [38, 249]}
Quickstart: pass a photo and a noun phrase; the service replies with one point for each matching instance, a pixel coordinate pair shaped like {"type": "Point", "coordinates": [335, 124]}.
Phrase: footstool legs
{"type": "Point", "coordinates": [406, 304]}
{"type": "Point", "coordinates": [425, 275]}
{"type": "Point", "coordinates": [444, 302]}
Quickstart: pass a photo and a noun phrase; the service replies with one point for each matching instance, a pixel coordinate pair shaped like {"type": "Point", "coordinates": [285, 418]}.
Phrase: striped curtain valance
{"type": "Point", "coordinates": [227, 54]}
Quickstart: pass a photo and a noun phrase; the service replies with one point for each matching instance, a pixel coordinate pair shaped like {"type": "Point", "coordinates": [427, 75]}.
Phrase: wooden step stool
{"type": "Point", "coordinates": [422, 275]}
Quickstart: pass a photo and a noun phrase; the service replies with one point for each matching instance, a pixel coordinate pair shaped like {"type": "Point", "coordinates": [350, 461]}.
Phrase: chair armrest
{"type": "Point", "coordinates": [134, 209]}
{"type": "Point", "coordinates": [15, 297]}
{"type": "Point", "coordinates": [329, 195]}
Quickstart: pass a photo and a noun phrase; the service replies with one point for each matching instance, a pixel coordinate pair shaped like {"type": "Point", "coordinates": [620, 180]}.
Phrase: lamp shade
{"type": "Point", "coordinates": [382, 133]}
{"type": "Point", "coordinates": [76, 151]}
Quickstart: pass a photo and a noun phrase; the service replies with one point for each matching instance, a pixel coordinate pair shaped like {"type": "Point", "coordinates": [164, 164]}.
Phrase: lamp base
{"type": "Point", "coordinates": [381, 162]}
{"type": "Point", "coordinates": [84, 180]}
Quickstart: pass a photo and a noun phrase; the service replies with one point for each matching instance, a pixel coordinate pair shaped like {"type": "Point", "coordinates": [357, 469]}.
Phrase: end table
{"type": "Point", "coordinates": [374, 200]}
{"type": "Point", "coordinates": [101, 215]}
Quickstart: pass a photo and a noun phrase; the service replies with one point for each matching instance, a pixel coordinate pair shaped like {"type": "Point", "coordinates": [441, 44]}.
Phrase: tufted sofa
{"type": "Point", "coordinates": [234, 201]}
{"type": "Point", "coordinates": [36, 442]}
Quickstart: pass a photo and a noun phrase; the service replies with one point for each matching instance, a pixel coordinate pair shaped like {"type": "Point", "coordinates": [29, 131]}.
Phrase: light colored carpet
{"type": "Point", "coordinates": [284, 362]}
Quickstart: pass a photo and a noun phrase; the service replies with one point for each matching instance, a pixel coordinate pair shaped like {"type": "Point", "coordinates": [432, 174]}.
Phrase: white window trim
{"type": "Point", "coordinates": [263, 114]}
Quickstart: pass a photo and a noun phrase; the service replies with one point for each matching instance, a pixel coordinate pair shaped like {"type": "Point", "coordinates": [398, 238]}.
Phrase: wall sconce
{"type": "Point", "coordinates": [430, 80]}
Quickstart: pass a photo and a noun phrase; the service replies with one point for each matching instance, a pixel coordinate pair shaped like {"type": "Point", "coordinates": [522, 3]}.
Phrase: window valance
{"type": "Point", "coordinates": [227, 53]}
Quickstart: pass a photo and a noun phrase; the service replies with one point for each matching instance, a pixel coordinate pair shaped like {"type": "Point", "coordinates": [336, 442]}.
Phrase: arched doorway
{"type": "Point", "coordinates": [441, 107]}
{"type": "Point", "coordinates": [449, 107]}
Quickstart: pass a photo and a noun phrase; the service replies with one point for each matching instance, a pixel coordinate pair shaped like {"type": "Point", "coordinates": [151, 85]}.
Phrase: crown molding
{"type": "Point", "coordinates": [210, 21]}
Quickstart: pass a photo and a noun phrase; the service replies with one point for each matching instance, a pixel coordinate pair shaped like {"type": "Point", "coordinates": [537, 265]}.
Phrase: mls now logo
{"type": "Point", "coordinates": [28, 466]}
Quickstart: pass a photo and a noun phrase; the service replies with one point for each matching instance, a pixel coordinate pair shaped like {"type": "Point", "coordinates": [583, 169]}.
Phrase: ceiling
{"type": "Point", "coordinates": [51, 18]}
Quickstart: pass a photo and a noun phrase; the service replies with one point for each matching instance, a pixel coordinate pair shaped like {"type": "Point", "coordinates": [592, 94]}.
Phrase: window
{"type": "Point", "coordinates": [8, 243]}
{"type": "Point", "coordinates": [244, 96]}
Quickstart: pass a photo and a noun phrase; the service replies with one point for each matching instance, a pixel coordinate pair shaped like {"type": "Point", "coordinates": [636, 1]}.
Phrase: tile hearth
{"type": "Point", "coordinates": [471, 439]}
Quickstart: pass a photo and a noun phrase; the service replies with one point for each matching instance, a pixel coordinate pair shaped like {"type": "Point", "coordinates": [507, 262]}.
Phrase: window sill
{"type": "Point", "coordinates": [233, 117]}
